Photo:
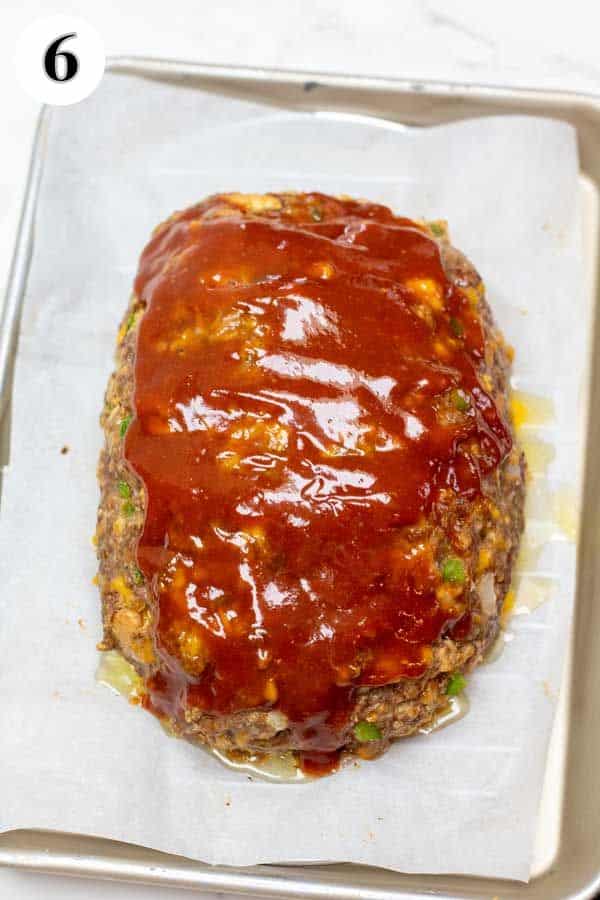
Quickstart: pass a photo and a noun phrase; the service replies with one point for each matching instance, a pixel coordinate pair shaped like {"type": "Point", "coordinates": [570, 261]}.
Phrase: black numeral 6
{"type": "Point", "coordinates": [71, 63]}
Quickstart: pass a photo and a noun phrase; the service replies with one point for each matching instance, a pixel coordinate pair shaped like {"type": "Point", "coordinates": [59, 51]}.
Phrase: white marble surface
{"type": "Point", "coordinates": [517, 42]}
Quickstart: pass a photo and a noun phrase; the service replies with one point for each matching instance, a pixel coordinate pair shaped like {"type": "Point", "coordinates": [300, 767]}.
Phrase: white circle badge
{"type": "Point", "coordinates": [59, 60]}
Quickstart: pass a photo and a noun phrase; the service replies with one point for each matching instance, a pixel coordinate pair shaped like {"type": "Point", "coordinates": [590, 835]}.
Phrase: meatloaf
{"type": "Point", "coordinates": [311, 493]}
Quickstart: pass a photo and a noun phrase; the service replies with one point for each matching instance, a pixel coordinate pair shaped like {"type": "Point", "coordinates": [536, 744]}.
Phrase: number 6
{"type": "Point", "coordinates": [52, 54]}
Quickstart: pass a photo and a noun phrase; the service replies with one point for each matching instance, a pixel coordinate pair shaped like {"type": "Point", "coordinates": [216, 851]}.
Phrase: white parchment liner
{"type": "Point", "coordinates": [75, 757]}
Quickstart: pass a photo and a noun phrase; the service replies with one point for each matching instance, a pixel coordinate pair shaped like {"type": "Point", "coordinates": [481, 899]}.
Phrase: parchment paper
{"type": "Point", "coordinates": [78, 758]}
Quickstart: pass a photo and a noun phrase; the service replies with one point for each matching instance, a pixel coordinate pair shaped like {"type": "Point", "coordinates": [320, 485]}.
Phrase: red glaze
{"type": "Point", "coordinates": [289, 375]}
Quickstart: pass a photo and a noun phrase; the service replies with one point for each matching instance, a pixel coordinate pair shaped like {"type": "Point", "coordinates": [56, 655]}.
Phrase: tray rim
{"type": "Point", "coordinates": [127, 63]}
{"type": "Point", "coordinates": [268, 880]}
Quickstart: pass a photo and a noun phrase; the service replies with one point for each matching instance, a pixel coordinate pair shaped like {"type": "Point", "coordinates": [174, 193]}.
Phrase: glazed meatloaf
{"type": "Point", "coordinates": [311, 494]}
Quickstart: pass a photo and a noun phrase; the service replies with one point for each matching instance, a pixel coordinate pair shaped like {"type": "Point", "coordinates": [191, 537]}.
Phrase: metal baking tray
{"type": "Point", "coordinates": [568, 852]}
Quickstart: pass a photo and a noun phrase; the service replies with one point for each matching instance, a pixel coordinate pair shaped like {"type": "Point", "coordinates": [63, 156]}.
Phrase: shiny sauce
{"type": "Point", "coordinates": [292, 374]}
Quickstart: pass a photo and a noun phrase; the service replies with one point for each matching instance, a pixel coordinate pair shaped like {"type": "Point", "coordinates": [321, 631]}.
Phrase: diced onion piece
{"type": "Point", "coordinates": [487, 594]}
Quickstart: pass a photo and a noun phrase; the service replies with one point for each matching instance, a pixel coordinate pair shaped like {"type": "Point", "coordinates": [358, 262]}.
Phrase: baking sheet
{"type": "Point", "coordinates": [509, 189]}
